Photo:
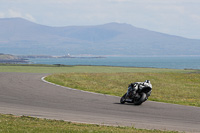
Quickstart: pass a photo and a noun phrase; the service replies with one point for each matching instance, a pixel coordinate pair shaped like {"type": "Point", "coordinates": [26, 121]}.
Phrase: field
{"type": "Point", "coordinates": [15, 124]}
{"type": "Point", "coordinates": [178, 88]}
{"type": "Point", "coordinates": [38, 68]}
{"type": "Point", "coordinates": [169, 85]}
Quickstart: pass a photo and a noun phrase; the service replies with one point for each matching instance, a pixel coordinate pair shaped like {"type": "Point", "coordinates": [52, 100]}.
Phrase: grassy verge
{"type": "Point", "coordinates": [10, 123]}
{"type": "Point", "coordinates": [178, 88]}
{"type": "Point", "coordinates": [39, 68]}
{"type": "Point", "coordinates": [169, 85]}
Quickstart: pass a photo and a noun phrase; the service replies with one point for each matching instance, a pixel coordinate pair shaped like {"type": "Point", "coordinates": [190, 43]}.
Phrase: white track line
{"type": "Point", "coordinates": [43, 79]}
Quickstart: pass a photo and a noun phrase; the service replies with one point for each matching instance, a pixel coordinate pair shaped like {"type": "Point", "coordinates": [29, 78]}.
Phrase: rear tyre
{"type": "Point", "coordinates": [143, 97]}
{"type": "Point", "coordinates": [123, 99]}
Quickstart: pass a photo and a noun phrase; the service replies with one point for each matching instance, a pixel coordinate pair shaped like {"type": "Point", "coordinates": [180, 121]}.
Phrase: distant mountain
{"type": "Point", "coordinates": [19, 36]}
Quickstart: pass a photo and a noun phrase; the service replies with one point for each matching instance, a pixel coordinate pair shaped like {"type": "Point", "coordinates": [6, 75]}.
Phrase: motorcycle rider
{"type": "Point", "coordinates": [133, 87]}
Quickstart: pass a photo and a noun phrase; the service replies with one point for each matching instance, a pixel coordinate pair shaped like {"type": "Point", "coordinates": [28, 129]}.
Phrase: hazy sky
{"type": "Point", "coordinates": [176, 17]}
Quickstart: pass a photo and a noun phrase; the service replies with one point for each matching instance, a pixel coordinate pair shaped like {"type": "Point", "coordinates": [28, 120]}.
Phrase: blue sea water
{"type": "Point", "coordinates": [191, 62]}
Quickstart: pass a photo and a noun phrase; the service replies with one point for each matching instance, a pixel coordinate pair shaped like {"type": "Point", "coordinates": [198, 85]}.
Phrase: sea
{"type": "Point", "coordinates": [185, 62]}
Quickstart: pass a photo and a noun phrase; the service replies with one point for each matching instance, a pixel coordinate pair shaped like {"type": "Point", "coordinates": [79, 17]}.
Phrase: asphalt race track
{"type": "Point", "coordinates": [27, 94]}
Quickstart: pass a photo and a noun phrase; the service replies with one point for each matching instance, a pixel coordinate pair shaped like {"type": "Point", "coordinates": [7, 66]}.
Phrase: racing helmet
{"type": "Point", "coordinates": [147, 81]}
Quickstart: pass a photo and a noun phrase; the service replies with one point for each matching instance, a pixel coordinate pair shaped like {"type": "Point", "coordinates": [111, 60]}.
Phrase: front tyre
{"type": "Point", "coordinates": [123, 99]}
{"type": "Point", "coordinates": [139, 101]}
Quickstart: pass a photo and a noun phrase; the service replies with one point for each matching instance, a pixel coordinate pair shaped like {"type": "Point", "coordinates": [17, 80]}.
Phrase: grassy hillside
{"type": "Point", "coordinates": [8, 57]}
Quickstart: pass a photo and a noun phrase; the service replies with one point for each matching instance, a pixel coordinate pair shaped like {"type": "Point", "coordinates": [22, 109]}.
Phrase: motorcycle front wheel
{"type": "Point", "coordinates": [123, 99]}
{"type": "Point", "coordinates": [139, 101]}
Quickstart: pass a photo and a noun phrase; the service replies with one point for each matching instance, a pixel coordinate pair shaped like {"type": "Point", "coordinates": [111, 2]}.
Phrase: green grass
{"type": "Point", "coordinates": [26, 124]}
{"type": "Point", "coordinates": [177, 88]}
{"type": "Point", "coordinates": [169, 85]}
{"type": "Point", "coordinates": [37, 68]}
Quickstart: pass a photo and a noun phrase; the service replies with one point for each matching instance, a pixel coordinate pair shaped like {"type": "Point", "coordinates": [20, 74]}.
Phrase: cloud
{"type": "Point", "coordinates": [196, 18]}
{"type": "Point", "coordinates": [29, 17]}
{"type": "Point", "coordinates": [120, 0]}
{"type": "Point", "coordinates": [2, 15]}
{"type": "Point", "coordinates": [13, 14]}
{"type": "Point", "coordinates": [169, 8]}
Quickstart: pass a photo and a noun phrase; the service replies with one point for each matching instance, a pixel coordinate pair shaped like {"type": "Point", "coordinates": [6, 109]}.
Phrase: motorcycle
{"type": "Point", "coordinates": [137, 93]}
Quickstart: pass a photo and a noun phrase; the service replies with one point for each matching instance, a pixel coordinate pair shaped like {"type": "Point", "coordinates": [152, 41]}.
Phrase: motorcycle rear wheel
{"type": "Point", "coordinates": [143, 98]}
